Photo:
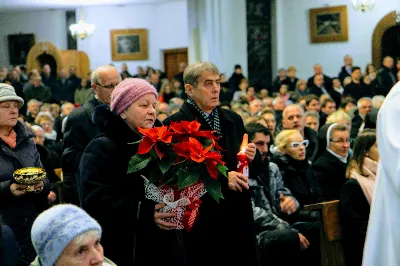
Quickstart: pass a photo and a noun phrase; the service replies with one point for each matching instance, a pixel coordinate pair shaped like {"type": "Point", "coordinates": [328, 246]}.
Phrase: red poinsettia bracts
{"type": "Point", "coordinates": [151, 137]}
{"type": "Point", "coordinates": [195, 151]}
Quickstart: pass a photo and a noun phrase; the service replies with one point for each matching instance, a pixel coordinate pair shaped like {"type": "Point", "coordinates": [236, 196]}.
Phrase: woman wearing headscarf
{"type": "Point", "coordinates": [107, 192]}
{"type": "Point", "coordinates": [330, 161]}
{"type": "Point", "coordinates": [18, 208]}
{"type": "Point", "coordinates": [356, 195]}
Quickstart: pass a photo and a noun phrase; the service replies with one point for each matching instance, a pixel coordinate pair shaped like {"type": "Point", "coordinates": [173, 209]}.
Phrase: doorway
{"type": "Point", "coordinates": [46, 59]}
{"type": "Point", "coordinates": [391, 42]}
{"type": "Point", "coordinates": [172, 59]}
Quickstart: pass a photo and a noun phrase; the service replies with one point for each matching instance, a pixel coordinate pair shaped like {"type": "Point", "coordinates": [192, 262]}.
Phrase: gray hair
{"type": "Point", "coordinates": [312, 113]}
{"type": "Point", "coordinates": [91, 233]}
{"type": "Point", "coordinates": [39, 128]}
{"type": "Point", "coordinates": [65, 105]}
{"type": "Point", "coordinates": [94, 77]}
{"type": "Point", "coordinates": [377, 101]}
{"type": "Point", "coordinates": [193, 72]}
{"type": "Point", "coordinates": [33, 101]}
{"type": "Point", "coordinates": [363, 99]}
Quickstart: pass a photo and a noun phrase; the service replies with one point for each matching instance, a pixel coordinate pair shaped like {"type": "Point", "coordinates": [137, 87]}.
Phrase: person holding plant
{"type": "Point", "coordinates": [222, 233]}
{"type": "Point", "coordinates": [110, 195]}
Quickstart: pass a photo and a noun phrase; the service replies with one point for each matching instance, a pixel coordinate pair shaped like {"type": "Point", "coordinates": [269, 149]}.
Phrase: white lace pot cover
{"type": "Point", "coordinates": [189, 202]}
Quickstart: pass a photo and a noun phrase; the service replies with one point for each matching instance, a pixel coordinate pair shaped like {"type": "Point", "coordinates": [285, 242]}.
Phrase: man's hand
{"type": "Point", "coordinates": [288, 204]}
{"type": "Point", "coordinates": [38, 186]}
{"type": "Point", "coordinates": [158, 217]}
{"type": "Point", "coordinates": [304, 244]}
{"type": "Point", "coordinates": [237, 181]}
{"type": "Point", "coordinates": [250, 152]}
{"type": "Point", "coordinates": [17, 189]}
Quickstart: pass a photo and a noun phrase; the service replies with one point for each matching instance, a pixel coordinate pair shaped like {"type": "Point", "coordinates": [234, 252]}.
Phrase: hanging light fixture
{"type": "Point", "coordinates": [81, 29]}
{"type": "Point", "coordinates": [363, 5]}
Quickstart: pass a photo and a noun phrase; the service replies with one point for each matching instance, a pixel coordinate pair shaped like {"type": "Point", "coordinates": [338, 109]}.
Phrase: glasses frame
{"type": "Point", "coordinates": [304, 143]}
{"type": "Point", "coordinates": [341, 141]}
{"type": "Point", "coordinates": [111, 86]}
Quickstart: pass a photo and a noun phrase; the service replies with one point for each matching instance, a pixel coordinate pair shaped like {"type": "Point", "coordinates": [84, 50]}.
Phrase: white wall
{"type": "Point", "coordinates": [166, 26]}
{"type": "Point", "coordinates": [218, 33]}
{"type": "Point", "coordinates": [46, 25]}
{"type": "Point", "coordinates": [294, 36]}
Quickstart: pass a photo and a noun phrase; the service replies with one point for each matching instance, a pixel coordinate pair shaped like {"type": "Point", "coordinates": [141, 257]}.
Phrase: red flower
{"type": "Point", "coordinates": [185, 127]}
{"type": "Point", "coordinates": [194, 150]}
{"type": "Point", "coordinates": [151, 137]}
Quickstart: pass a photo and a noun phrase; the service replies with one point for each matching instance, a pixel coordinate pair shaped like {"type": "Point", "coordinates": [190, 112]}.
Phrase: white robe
{"type": "Point", "coordinates": [382, 245]}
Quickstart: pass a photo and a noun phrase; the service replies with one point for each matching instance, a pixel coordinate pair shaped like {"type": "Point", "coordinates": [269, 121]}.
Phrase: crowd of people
{"type": "Point", "coordinates": [310, 141]}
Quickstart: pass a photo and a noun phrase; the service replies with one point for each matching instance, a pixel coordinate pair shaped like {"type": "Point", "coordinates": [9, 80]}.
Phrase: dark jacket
{"type": "Point", "coordinates": [357, 90]}
{"type": "Point", "coordinates": [343, 74]}
{"type": "Point", "coordinates": [354, 214]}
{"type": "Point", "coordinates": [299, 179]}
{"type": "Point", "coordinates": [19, 213]}
{"type": "Point", "coordinates": [79, 131]}
{"type": "Point", "coordinates": [63, 91]}
{"type": "Point", "coordinates": [385, 81]}
{"type": "Point", "coordinates": [10, 253]}
{"type": "Point", "coordinates": [221, 227]}
{"type": "Point", "coordinates": [291, 83]}
{"type": "Point", "coordinates": [331, 174]}
{"type": "Point", "coordinates": [312, 137]}
{"type": "Point", "coordinates": [327, 82]}
{"type": "Point", "coordinates": [356, 123]}
{"type": "Point", "coordinates": [108, 193]}
{"type": "Point", "coordinates": [40, 93]}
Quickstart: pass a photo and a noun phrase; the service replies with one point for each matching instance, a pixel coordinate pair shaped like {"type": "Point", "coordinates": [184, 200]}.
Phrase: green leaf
{"type": "Point", "coordinates": [136, 142]}
{"type": "Point", "coordinates": [187, 177]}
{"type": "Point", "coordinates": [222, 169]}
{"type": "Point", "coordinates": [153, 154]}
{"type": "Point", "coordinates": [155, 176]}
{"type": "Point", "coordinates": [213, 187]}
{"type": "Point", "coordinates": [166, 162]}
{"type": "Point", "coordinates": [138, 162]}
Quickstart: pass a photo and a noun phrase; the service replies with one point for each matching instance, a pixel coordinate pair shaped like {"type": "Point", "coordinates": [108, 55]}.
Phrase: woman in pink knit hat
{"type": "Point", "coordinates": [110, 195]}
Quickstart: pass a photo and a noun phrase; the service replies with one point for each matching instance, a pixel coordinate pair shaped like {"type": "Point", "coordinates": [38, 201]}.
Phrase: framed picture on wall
{"type": "Point", "coordinates": [19, 46]}
{"type": "Point", "coordinates": [129, 44]}
{"type": "Point", "coordinates": [328, 24]}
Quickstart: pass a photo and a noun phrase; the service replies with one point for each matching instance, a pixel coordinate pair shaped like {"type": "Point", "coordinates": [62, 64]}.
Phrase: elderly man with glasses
{"type": "Point", "coordinates": [80, 129]}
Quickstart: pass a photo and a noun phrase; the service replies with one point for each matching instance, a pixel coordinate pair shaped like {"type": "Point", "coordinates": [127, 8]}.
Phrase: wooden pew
{"type": "Point", "coordinates": [58, 172]}
{"type": "Point", "coordinates": [331, 233]}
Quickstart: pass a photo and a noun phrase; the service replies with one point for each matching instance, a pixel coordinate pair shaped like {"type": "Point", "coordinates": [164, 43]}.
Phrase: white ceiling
{"type": "Point", "coordinates": [67, 4]}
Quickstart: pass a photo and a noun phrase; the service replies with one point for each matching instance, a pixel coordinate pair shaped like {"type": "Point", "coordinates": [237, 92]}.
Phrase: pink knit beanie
{"type": "Point", "coordinates": [129, 91]}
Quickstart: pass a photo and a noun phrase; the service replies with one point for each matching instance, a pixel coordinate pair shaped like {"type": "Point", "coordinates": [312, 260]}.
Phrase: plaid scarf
{"type": "Point", "coordinates": [212, 119]}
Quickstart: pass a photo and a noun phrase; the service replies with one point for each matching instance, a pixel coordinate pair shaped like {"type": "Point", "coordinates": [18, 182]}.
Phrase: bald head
{"type": "Point", "coordinates": [103, 80]}
{"type": "Point", "coordinates": [293, 117]}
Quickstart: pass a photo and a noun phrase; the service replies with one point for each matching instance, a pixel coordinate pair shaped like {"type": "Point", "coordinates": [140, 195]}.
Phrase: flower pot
{"type": "Point", "coordinates": [186, 207]}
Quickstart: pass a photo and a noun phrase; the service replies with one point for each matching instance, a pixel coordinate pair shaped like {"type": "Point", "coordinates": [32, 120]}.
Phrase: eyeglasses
{"type": "Point", "coordinates": [111, 86]}
{"type": "Point", "coordinates": [297, 144]}
{"type": "Point", "coordinates": [341, 141]}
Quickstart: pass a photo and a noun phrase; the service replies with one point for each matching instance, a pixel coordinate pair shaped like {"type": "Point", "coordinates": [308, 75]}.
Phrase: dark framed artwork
{"type": "Point", "coordinates": [19, 46]}
{"type": "Point", "coordinates": [328, 24]}
{"type": "Point", "coordinates": [129, 44]}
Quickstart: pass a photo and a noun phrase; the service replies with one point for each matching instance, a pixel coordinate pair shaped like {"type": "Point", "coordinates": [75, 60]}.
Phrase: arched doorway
{"type": "Point", "coordinates": [42, 53]}
{"type": "Point", "coordinates": [391, 42]}
{"type": "Point", "coordinates": [381, 34]}
{"type": "Point", "coordinates": [46, 59]}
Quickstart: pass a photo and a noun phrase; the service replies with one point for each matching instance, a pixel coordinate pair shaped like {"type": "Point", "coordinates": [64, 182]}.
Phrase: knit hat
{"type": "Point", "coordinates": [129, 91]}
{"type": "Point", "coordinates": [56, 227]}
{"type": "Point", "coordinates": [7, 93]}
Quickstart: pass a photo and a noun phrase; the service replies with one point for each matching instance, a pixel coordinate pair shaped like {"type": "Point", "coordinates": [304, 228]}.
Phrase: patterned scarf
{"type": "Point", "coordinates": [212, 119]}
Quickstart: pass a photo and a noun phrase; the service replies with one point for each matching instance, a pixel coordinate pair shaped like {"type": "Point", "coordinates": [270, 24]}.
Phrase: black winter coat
{"type": "Point", "coordinates": [331, 175]}
{"type": "Point", "coordinates": [79, 131]}
{"type": "Point", "coordinates": [19, 213]}
{"type": "Point", "coordinates": [354, 214]}
{"type": "Point", "coordinates": [109, 194]}
{"type": "Point", "coordinates": [224, 227]}
{"type": "Point", "coordinates": [299, 179]}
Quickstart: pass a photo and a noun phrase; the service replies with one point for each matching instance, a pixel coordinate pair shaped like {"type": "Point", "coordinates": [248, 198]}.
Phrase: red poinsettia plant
{"type": "Point", "coordinates": [180, 155]}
